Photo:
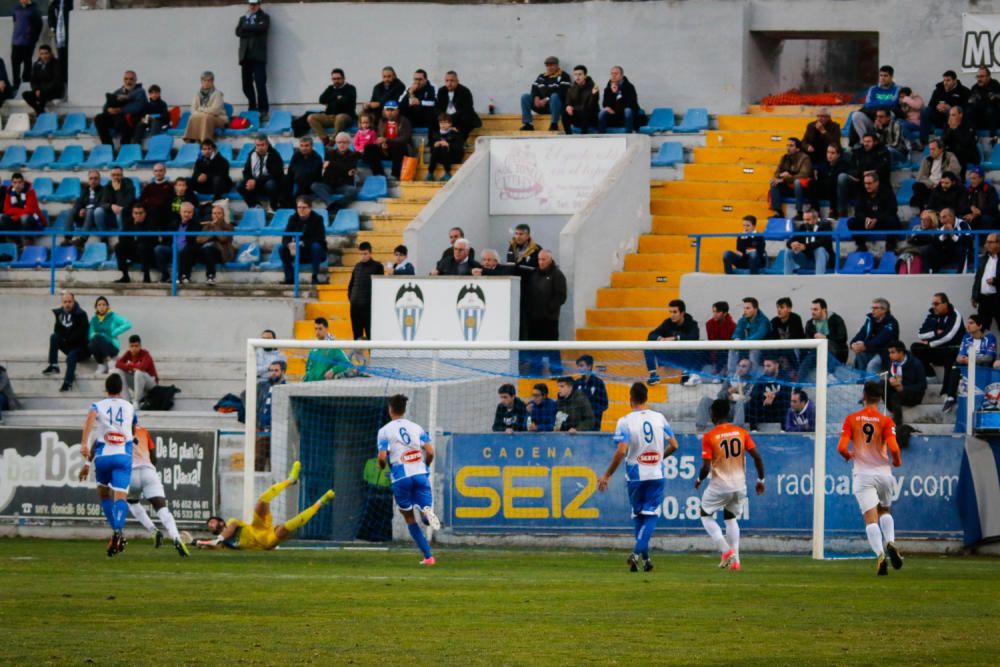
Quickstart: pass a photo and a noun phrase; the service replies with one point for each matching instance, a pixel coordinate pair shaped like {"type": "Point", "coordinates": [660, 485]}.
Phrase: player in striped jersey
{"type": "Point", "coordinates": [644, 439]}
{"type": "Point", "coordinates": [722, 454]}
{"type": "Point", "coordinates": [868, 438]}
{"type": "Point", "coordinates": [146, 483]}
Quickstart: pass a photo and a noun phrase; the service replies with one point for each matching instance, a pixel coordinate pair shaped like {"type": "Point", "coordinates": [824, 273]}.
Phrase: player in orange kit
{"type": "Point", "coordinates": [873, 436]}
{"type": "Point", "coordinates": [722, 451]}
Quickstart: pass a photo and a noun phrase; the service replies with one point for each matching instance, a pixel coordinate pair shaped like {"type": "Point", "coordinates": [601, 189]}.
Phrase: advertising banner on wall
{"type": "Point", "coordinates": [548, 176]}
{"type": "Point", "coordinates": [547, 483]}
{"type": "Point", "coordinates": [39, 471]}
{"type": "Point", "coordinates": [980, 41]}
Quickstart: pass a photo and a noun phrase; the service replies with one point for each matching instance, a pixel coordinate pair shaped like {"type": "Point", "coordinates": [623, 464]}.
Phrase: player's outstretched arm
{"type": "Point", "coordinates": [87, 428]}
{"type": "Point", "coordinates": [602, 483]}
{"type": "Point", "coordinates": [758, 461]}
{"type": "Point", "coordinates": [428, 453]}
{"type": "Point", "coordinates": [706, 468]}
{"type": "Point", "coordinates": [843, 449]}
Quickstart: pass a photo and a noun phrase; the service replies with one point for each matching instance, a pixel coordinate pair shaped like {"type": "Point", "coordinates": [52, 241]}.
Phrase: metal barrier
{"type": "Point", "coordinates": [54, 233]}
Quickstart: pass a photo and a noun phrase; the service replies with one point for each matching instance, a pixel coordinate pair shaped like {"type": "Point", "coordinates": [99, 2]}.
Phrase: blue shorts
{"type": "Point", "coordinates": [646, 497]}
{"type": "Point", "coordinates": [114, 470]}
{"type": "Point", "coordinates": [414, 490]}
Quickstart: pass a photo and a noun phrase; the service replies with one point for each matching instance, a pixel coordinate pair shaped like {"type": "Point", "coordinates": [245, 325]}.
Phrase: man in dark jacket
{"type": "Point", "coordinates": [262, 174]}
{"type": "Point", "coordinates": [907, 381]}
{"type": "Point", "coordinates": [390, 88]}
{"type": "Point", "coordinates": [27, 27]}
{"type": "Point", "coordinates": [417, 102]}
{"type": "Point", "coordinates": [511, 414]}
{"type": "Point", "coordinates": [117, 198]}
{"type": "Point", "coordinates": [70, 337]}
{"type": "Point", "coordinates": [875, 210]}
{"type": "Point", "coordinates": [986, 283]}
{"type": "Point", "coordinates": [592, 387]}
{"type": "Point", "coordinates": [85, 212]}
{"type": "Point", "coordinates": [940, 335]}
{"type": "Point", "coordinates": [304, 169]}
{"type": "Point", "coordinates": [137, 248]}
{"type": "Point", "coordinates": [546, 293]}
{"type": "Point", "coordinates": [312, 243]}
{"type": "Point", "coordinates": [337, 189]}
{"type": "Point", "coordinates": [678, 326]}
{"type": "Point", "coordinates": [572, 408]}
{"type": "Point", "coordinates": [548, 95]}
{"type": "Point", "coordinates": [157, 195]}
{"type": "Point", "coordinates": [211, 172]}
{"type": "Point", "coordinates": [870, 344]}
{"type": "Point", "coordinates": [581, 102]}
{"type": "Point", "coordinates": [59, 28]}
{"type": "Point", "coordinates": [359, 291]}
{"type": "Point", "coordinates": [786, 325]}
{"type": "Point", "coordinates": [121, 110]}
{"type": "Point", "coordinates": [456, 100]}
{"type": "Point", "coordinates": [982, 200]}
{"type": "Point", "coordinates": [770, 396]}
{"type": "Point", "coordinates": [393, 142]}
{"type": "Point", "coordinates": [824, 324]}
{"type": "Point", "coordinates": [873, 156]}
{"type": "Point", "coordinates": [948, 193]}
{"type": "Point", "coordinates": [947, 94]}
{"type": "Point", "coordinates": [45, 83]}
{"type": "Point", "coordinates": [620, 106]}
{"type": "Point", "coordinates": [252, 30]}
{"type": "Point", "coordinates": [458, 262]}
{"type": "Point", "coordinates": [818, 135]}
{"type": "Point", "coordinates": [808, 252]}
{"type": "Point", "coordinates": [750, 250]}
{"type": "Point", "coordinates": [340, 99]}
{"type": "Point", "coordinates": [984, 102]}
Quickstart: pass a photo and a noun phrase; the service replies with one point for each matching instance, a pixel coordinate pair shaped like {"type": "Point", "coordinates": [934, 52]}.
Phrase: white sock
{"type": "Point", "coordinates": [712, 527]}
{"type": "Point", "coordinates": [139, 512]}
{"type": "Point", "coordinates": [733, 536]}
{"type": "Point", "coordinates": [875, 538]}
{"type": "Point", "coordinates": [888, 526]}
{"type": "Point", "coordinates": [167, 519]}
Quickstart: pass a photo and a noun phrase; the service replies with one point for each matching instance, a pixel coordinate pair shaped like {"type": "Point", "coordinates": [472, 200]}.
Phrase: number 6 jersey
{"type": "Point", "coordinates": [725, 446]}
{"type": "Point", "coordinates": [404, 441]}
{"type": "Point", "coordinates": [646, 432]}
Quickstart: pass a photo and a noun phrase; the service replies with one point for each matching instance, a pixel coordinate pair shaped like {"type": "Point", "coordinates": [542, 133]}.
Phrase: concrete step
{"type": "Point", "coordinates": [382, 242]}
{"type": "Point", "coordinates": [389, 224]}
{"type": "Point", "coordinates": [789, 125]}
{"type": "Point", "coordinates": [727, 174]}
{"type": "Point", "coordinates": [666, 280]}
{"type": "Point", "coordinates": [669, 225]}
{"type": "Point", "coordinates": [625, 317]}
{"type": "Point", "coordinates": [392, 207]}
{"type": "Point", "coordinates": [634, 297]}
{"type": "Point", "coordinates": [332, 292]}
{"type": "Point", "coordinates": [340, 327]}
{"type": "Point", "coordinates": [350, 256]}
{"type": "Point", "coordinates": [661, 261]}
{"type": "Point", "coordinates": [807, 111]}
{"type": "Point", "coordinates": [753, 139]}
{"type": "Point", "coordinates": [682, 244]}
{"type": "Point", "coordinates": [331, 310]}
{"type": "Point", "coordinates": [80, 402]}
{"type": "Point", "coordinates": [710, 190]}
{"type": "Point", "coordinates": [739, 155]}
{"type": "Point", "coordinates": [91, 386]}
{"type": "Point", "coordinates": [710, 208]}
{"type": "Point", "coordinates": [611, 333]}
{"type": "Point", "coordinates": [74, 417]}
{"type": "Point", "coordinates": [21, 368]}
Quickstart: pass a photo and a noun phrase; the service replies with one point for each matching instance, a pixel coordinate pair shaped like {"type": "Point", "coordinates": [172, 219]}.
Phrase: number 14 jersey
{"type": "Point", "coordinates": [725, 446]}
{"type": "Point", "coordinates": [404, 441]}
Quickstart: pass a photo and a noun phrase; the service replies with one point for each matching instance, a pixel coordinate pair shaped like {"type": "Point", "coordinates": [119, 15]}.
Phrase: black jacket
{"type": "Point", "coordinates": [882, 206]}
{"type": "Point", "coordinates": [953, 198]}
{"type": "Point", "coordinates": [340, 100]}
{"type": "Point", "coordinates": [382, 94]}
{"type": "Point", "coordinates": [339, 167]}
{"type": "Point", "coordinates": [45, 77]}
{"type": "Point", "coordinates": [579, 414]}
{"type": "Point", "coordinates": [312, 226]}
{"type": "Point", "coordinates": [812, 242]}
{"type": "Point", "coordinates": [252, 31]}
{"type": "Point", "coordinates": [305, 170]}
{"type": "Point", "coordinates": [359, 289]}
{"type": "Point", "coordinates": [876, 335]}
{"type": "Point", "coordinates": [963, 143]}
{"type": "Point", "coordinates": [790, 330]}
{"type": "Point", "coordinates": [465, 117]}
{"type": "Point", "coordinates": [942, 330]}
{"type": "Point", "coordinates": [423, 114]}
{"type": "Point", "coordinates": [625, 98]}
{"type": "Point", "coordinates": [757, 242]}
{"type": "Point", "coordinates": [686, 330]}
{"type": "Point", "coordinates": [544, 85]}
{"type": "Point", "coordinates": [957, 97]}
{"type": "Point", "coordinates": [985, 95]}
{"type": "Point", "coordinates": [984, 198]}
{"type": "Point", "coordinates": [977, 283]}
{"type": "Point", "coordinates": [878, 160]}
{"type": "Point", "coordinates": [836, 336]}
{"type": "Point", "coordinates": [213, 167]}
{"type": "Point", "coordinates": [757, 412]}
{"type": "Point", "coordinates": [582, 99]}
{"type": "Point", "coordinates": [447, 266]}
{"type": "Point", "coordinates": [513, 418]}
{"type": "Point", "coordinates": [272, 162]}
{"type": "Point", "coordinates": [596, 392]}
{"type": "Point", "coordinates": [71, 328]}
{"type": "Point", "coordinates": [546, 293]}
{"type": "Point", "coordinates": [123, 196]}
{"type": "Point", "coordinates": [84, 200]}
{"type": "Point", "coordinates": [914, 378]}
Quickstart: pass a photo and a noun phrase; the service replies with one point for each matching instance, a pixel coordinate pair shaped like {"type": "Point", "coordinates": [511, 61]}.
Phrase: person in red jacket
{"type": "Point", "coordinates": [137, 370]}
{"type": "Point", "coordinates": [719, 327]}
{"type": "Point", "coordinates": [20, 209]}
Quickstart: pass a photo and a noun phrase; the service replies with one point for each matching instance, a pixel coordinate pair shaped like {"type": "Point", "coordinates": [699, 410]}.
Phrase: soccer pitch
{"type": "Point", "coordinates": [66, 602]}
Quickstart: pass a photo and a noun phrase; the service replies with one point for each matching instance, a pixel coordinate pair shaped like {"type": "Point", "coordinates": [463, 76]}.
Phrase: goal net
{"type": "Point", "coordinates": [518, 451]}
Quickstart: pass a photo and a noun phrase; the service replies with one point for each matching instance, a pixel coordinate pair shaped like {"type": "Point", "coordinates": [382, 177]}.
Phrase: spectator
{"type": "Point", "coordinates": [769, 397]}
{"type": "Point", "coordinates": [511, 414]}
{"type": "Point", "coordinates": [208, 112]}
{"type": "Point", "coordinates": [592, 387]}
{"type": "Point", "coordinates": [909, 108]}
{"type": "Point", "coordinates": [211, 172]}
{"type": "Point", "coordinates": [890, 134]}
{"type": "Point", "coordinates": [417, 102]}
{"type": "Point", "coordinates": [447, 148]}
{"type": "Point", "coordinates": [786, 325]}
{"type": "Point", "coordinates": [948, 193]}
{"type": "Point", "coordinates": [947, 94]}
{"type": "Point", "coordinates": [984, 102]}
{"type": "Point", "coordinates": [105, 328]}
{"type": "Point", "coordinates": [819, 135]}
{"type": "Point", "coordinates": [581, 102]}
{"type": "Point", "coordinates": [824, 324]}
{"type": "Point", "coordinates": [976, 338]}
{"type": "Point", "coordinates": [791, 177]}
{"type": "Point", "coordinates": [573, 411]}
{"type": "Point", "coordinates": [86, 208]}
{"type": "Point", "coordinates": [932, 168]}
{"type": "Point", "coordinates": [155, 116]}
{"type": "Point", "coordinates": [907, 381]}
{"type": "Point", "coordinates": [263, 172]}
{"type": "Point", "coordinates": [960, 139]}
{"type": "Point", "coordinates": [157, 195]}
{"type": "Point", "coordinates": [179, 237]}
{"type": "Point", "coordinates": [59, 28]}
{"type": "Point", "coordinates": [26, 30]}
{"type": "Point", "coordinates": [359, 291]}
{"type": "Point", "coordinates": [984, 286]}
{"type": "Point", "coordinates": [326, 363]}
{"type": "Point", "coordinates": [137, 371]}
{"type": "Point", "coordinates": [117, 199]}
{"type": "Point", "coordinates": [950, 251]}
{"type": "Point", "coordinates": [252, 30]}
{"type": "Point", "coordinates": [491, 265]}
{"type": "Point", "coordinates": [914, 256]}
{"type": "Point", "coordinates": [810, 252]}
{"type": "Point", "coordinates": [828, 173]}
{"type": "Point", "coordinates": [720, 326]}
{"type": "Point", "coordinates": [6, 92]}
{"type": "Point", "coordinates": [459, 263]}
{"type": "Point", "coordinates": [523, 250]}
{"type": "Point", "coordinates": [736, 390]}
{"type": "Point", "coordinates": [873, 156]}
{"type": "Point", "coordinates": [304, 170]}
{"type": "Point", "coordinates": [182, 193]}
{"type": "Point", "coordinates": [312, 243]}
{"type": "Point", "coordinates": [456, 100]}
{"type": "Point", "coordinates": [454, 234]}
{"type": "Point", "coordinates": [393, 142]}
{"type": "Point", "coordinates": [402, 265]}
{"type": "Point", "coordinates": [341, 100]}
{"type": "Point", "coordinates": [266, 356]}
{"type": "Point", "coordinates": [940, 335]}
{"type": "Point", "coordinates": [337, 188]}
{"type": "Point", "coordinates": [20, 209]}
{"type": "Point", "coordinates": [547, 96]}
{"type": "Point", "coordinates": [620, 106]}
{"type": "Point", "coordinates": [541, 409]}
{"type": "Point", "coordinates": [982, 199]}
{"type": "Point", "coordinates": [274, 375]}
{"type": "Point", "coordinates": [69, 336]}
{"type": "Point", "coordinates": [875, 210]}
{"type": "Point", "coordinates": [871, 342]}
{"type": "Point", "coordinates": [678, 326]}
{"type": "Point", "coordinates": [753, 325]}
{"type": "Point", "coordinates": [121, 110]}
{"type": "Point", "coordinates": [546, 293]}
{"type": "Point", "coordinates": [750, 253]}
{"type": "Point", "coordinates": [210, 248]}
{"type": "Point", "coordinates": [45, 81]}
{"type": "Point", "coordinates": [139, 249]}
{"type": "Point", "coordinates": [389, 89]}
{"type": "Point", "coordinates": [884, 95]}
{"type": "Point", "coordinates": [801, 415]}
{"type": "Point", "coordinates": [365, 134]}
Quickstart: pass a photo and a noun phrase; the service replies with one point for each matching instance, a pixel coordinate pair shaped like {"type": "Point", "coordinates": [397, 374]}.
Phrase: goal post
{"type": "Point", "coordinates": [457, 381]}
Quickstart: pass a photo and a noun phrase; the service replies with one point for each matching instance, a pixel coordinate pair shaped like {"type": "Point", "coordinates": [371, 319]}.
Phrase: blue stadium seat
{"type": "Point", "coordinates": [230, 110]}
{"type": "Point", "coordinates": [65, 256]}
{"type": "Point", "coordinates": [662, 120]}
{"type": "Point", "coordinates": [129, 155]}
{"type": "Point", "coordinates": [43, 187]}
{"type": "Point", "coordinates": [182, 124]}
{"type": "Point", "coordinates": [320, 149]}
{"type": "Point", "coordinates": [137, 184]}
{"type": "Point", "coordinates": [280, 122]}
{"type": "Point", "coordinates": [285, 150]}
{"type": "Point", "coordinates": [8, 253]}
{"type": "Point", "coordinates": [905, 192]}
{"type": "Point", "coordinates": [32, 257]}
{"type": "Point", "coordinates": [777, 266]}
{"type": "Point", "coordinates": [70, 158]}
{"type": "Point", "coordinates": [15, 156]}
{"type": "Point", "coordinates": [670, 153]}
{"type": "Point", "coordinates": [694, 120]}
{"type": "Point", "coordinates": [253, 220]}
{"type": "Point", "coordinates": [842, 231]}
{"type": "Point", "coordinates": [187, 155]}
{"type": "Point", "coordinates": [245, 151]}
{"type": "Point", "coordinates": [272, 263]}
{"type": "Point", "coordinates": [42, 158]}
{"type": "Point", "coordinates": [253, 117]}
{"type": "Point", "coordinates": [68, 190]}
{"type": "Point", "coordinates": [62, 221]}
{"type": "Point", "coordinates": [94, 256]}
{"type": "Point", "coordinates": [73, 124]}
{"type": "Point", "coordinates": [992, 163]}
{"type": "Point", "coordinates": [247, 249]}
{"type": "Point", "coordinates": [45, 125]}
{"type": "Point", "coordinates": [887, 265]}
{"type": "Point", "coordinates": [347, 221]}
{"type": "Point", "coordinates": [100, 157]}
{"type": "Point", "coordinates": [845, 130]}
{"type": "Point", "coordinates": [280, 220]}
{"type": "Point", "coordinates": [158, 149]}
{"type": "Point", "coordinates": [858, 262]}
{"type": "Point", "coordinates": [375, 187]}
{"type": "Point", "coordinates": [226, 150]}
{"type": "Point", "coordinates": [779, 229]}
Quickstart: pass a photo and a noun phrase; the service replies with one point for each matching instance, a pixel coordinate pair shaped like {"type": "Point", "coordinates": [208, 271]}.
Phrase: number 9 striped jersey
{"type": "Point", "coordinates": [404, 441]}
{"type": "Point", "coordinates": [725, 446]}
{"type": "Point", "coordinates": [646, 432]}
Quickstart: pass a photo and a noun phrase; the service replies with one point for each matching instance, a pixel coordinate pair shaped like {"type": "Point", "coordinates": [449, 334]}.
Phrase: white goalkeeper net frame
{"type": "Point", "coordinates": [438, 394]}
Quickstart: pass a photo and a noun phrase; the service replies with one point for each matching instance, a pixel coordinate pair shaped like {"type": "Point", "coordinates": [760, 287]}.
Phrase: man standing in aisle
{"type": "Point", "coordinates": [252, 31]}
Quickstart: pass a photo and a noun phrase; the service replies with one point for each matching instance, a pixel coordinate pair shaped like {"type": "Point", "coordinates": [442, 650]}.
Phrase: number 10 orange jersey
{"type": "Point", "coordinates": [725, 445]}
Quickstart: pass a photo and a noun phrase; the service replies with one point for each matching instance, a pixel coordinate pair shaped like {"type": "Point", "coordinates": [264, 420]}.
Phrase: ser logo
{"type": "Point", "coordinates": [471, 308]}
{"type": "Point", "coordinates": [409, 310]}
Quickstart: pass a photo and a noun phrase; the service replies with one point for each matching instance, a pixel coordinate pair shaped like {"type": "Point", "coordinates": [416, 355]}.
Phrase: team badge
{"type": "Point", "coordinates": [409, 310]}
{"type": "Point", "coordinates": [471, 307]}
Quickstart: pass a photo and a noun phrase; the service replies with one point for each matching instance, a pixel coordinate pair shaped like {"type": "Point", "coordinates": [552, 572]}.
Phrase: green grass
{"type": "Point", "coordinates": [66, 602]}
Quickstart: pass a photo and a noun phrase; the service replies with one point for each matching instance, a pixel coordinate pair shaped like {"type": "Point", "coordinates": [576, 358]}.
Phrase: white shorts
{"type": "Point", "coordinates": [715, 499]}
{"type": "Point", "coordinates": [146, 481]}
{"type": "Point", "coordinates": [873, 488]}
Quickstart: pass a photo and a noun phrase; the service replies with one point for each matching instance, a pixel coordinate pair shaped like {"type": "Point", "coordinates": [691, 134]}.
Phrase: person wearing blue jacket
{"type": "Point", "coordinates": [754, 325]}
{"type": "Point", "coordinates": [547, 96]}
{"type": "Point", "coordinates": [122, 109]}
{"type": "Point", "coordinates": [883, 95]}
{"type": "Point", "coordinates": [940, 335]}
{"type": "Point", "coordinates": [105, 328]}
{"type": "Point", "coordinates": [27, 28]}
{"type": "Point", "coordinates": [871, 343]}
{"type": "Point", "coordinates": [541, 409]}
{"type": "Point", "coordinates": [985, 344]}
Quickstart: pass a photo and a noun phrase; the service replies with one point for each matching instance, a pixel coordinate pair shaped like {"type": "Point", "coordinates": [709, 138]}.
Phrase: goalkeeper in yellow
{"type": "Point", "coordinates": [260, 533]}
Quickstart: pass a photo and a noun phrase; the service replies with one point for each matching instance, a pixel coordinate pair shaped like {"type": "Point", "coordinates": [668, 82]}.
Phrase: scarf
{"type": "Point", "coordinates": [205, 95]}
